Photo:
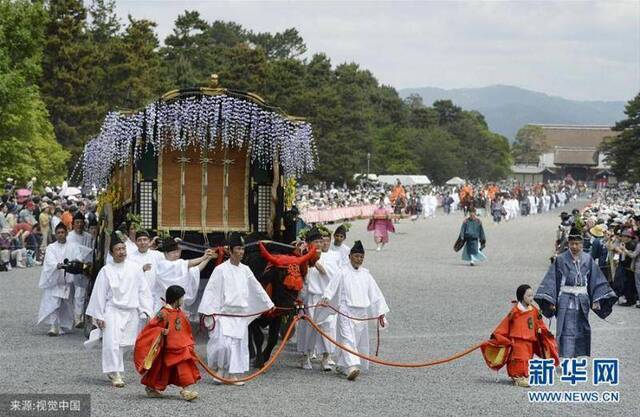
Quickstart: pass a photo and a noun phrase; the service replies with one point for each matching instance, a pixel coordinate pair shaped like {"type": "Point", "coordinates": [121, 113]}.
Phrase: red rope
{"type": "Point", "coordinates": [260, 371]}
{"type": "Point", "coordinates": [390, 363]}
{"type": "Point", "coordinates": [287, 336]}
{"type": "Point", "coordinates": [213, 316]}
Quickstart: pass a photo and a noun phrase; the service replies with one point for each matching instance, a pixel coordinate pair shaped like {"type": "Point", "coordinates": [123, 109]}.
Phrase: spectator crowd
{"type": "Point", "coordinates": [28, 220]}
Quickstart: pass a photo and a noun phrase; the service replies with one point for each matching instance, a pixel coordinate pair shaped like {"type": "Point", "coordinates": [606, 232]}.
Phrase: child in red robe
{"type": "Point", "coordinates": [164, 350]}
{"type": "Point", "coordinates": [518, 337]}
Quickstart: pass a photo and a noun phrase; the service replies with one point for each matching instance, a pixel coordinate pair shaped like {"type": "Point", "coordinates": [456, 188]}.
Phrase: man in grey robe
{"type": "Point", "coordinates": [573, 285]}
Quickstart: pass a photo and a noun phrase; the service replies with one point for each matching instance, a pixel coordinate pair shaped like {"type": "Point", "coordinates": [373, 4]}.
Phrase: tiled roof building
{"type": "Point", "coordinates": [572, 150]}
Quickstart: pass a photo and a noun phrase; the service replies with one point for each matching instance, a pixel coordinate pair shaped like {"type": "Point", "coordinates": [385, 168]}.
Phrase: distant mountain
{"type": "Point", "coordinates": [507, 108]}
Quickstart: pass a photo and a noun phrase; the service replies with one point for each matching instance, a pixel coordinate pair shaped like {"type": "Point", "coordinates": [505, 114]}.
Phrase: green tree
{"type": "Point", "coordinates": [224, 34]}
{"type": "Point", "coordinates": [28, 146]}
{"type": "Point", "coordinates": [438, 155]}
{"type": "Point", "coordinates": [105, 24]}
{"type": "Point", "coordinates": [529, 144]}
{"type": "Point", "coordinates": [394, 150]}
{"type": "Point", "coordinates": [134, 66]}
{"type": "Point", "coordinates": [185, 52]}
{"type": "Point", "coordinates": [423, 117]}
{"type": "Point", "coordinates": [104, 43]}
{"type": "Point", "coordinates": [282, 45]}
{"type": "Point", "coordinates": [241, 67]}
{"type": "Point", "coordinates": [284, 84]}
{"type": "Point", "coordinates": [485, 155]}
{"type": "Point", "coordinates": [623, 151]}
{"type": "Point", "coordinates": [388, 107]}
{"type": "Point", "coordinates": [67, 84]}
{"type": "Point", "coordinates": [447, 111]}
{"type": "Point", "coordinates": [414, 101]}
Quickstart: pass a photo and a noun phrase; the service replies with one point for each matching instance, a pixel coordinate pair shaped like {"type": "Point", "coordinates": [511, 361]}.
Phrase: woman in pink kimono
{"type": "Point", "coordinates": [380, 224]}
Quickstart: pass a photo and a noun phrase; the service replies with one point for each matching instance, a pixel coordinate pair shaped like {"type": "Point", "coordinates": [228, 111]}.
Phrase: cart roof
{"type": "Point", "coordinates": [205, 118]}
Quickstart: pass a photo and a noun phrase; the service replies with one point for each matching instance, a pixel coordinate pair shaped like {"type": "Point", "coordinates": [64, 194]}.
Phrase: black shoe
{"type": "Point", "coordinates": [628, 304]}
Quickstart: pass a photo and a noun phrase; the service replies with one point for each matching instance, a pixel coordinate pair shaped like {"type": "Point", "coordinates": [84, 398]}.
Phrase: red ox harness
{"type": "Point", "coordinates": [294, 279]}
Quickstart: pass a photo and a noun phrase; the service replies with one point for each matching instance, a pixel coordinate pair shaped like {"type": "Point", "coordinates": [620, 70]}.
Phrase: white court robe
{"type": "Point", "coordinates": [429, 205]}
{"type": "Point", "coordinates": [309, 341]}
{"type": "Point", "coordinates": [456, 201]}
{"type": "Point", "coordinates": [151, 257]}
{"type": "Point", "coordinates": [80, 282]}
{"type": "Point", "coordinates": [343, 250]}
{"type": "Point", "coordinates": [56, 306]}
{"type": "Point", "coordinates": [533, 206]}
{"type": "Point", "coordinates": [356, 294]}
{"type": "Point", "coordinates": [176, 272]}
{"type": "Point", "coordinates": [121, 298]}
{"type": "Point", "coordinates": [234, 290]}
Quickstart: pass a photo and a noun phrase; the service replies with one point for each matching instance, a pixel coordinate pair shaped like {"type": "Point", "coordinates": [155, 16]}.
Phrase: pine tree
{"type": "Point", "coordinates": [622, 150]}
{"type": "Point", "coordinates": [67, 84]}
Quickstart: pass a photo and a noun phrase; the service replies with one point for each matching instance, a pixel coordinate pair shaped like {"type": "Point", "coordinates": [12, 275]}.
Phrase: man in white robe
{"type": "Point", "coordinates": [433, 204]}
{"type": "Point", "coordinates": [456, 201]}
{"type": "Point", "coordinates": [339, 246]}
{"type": "Point", "coordinates": [356, 294]}
{"type": "Point", "coordinates": [515, 208]}
{"type": "Point", "coordinates": [80, 282]}
{"type": "Point", "coordinates": [318, 277]}
{"type": "Point", "coordinates": [533, 204]}
{"type": "Point", "coordinates": [120, 299]}
{"type": "Point", "coordinates": [232, 289]}
{"type": "Point", "coordinates": [429, 204]}
{"type": "Point", "coordinates": [175, 271]}
{"type": "Point", "coordinates": [57, 305]}
{"type": "Point", "coordinates": [146, 258]}
{"type": "Point", "coordinates": [547, 202]}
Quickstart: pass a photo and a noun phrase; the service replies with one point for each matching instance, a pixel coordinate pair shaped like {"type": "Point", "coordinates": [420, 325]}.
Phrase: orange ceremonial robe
{"type": "Point", "coordinates": [517, 338]}
{"type": "Point", "coordinates": [174, 362]}
{"type": "Point", "coordinates": [398, 192]}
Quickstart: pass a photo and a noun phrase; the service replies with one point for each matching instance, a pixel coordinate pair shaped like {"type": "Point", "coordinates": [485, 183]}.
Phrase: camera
{"type": "Point", "coordinates": [73, 267]}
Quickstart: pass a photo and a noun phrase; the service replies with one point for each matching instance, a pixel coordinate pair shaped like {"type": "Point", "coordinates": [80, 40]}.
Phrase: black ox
{"type": "Point", "coordinates": [281, 271]}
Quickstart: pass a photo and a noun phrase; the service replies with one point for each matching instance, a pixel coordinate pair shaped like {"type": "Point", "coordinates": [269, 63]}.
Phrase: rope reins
{"type": "Point", "coordinates": [260, 371]}
{"type": "Point", "coordinates": [302, 316]}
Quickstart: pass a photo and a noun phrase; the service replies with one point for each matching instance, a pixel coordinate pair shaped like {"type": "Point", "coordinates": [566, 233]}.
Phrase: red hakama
{"type": "Point", "coordinates": [517, 338]}
{"type": "Point", "coordinates": [175, 362]}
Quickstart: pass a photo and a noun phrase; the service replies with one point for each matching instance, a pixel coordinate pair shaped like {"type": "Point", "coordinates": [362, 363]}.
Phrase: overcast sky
{"type": "Point", "coordinates": [574, 49]}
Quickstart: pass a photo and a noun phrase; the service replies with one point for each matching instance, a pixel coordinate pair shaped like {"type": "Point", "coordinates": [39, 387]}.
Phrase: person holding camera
{"type": "Point", "coordinates": [79, 236]}
{"type": "Point", "coordinates": [56, 306]}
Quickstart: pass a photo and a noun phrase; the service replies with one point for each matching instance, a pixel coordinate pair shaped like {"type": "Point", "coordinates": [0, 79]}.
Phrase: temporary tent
{"type": "Point", "coordinates": [69, 191]}
{"type": "Point", "coordinates": [404, 179]}
{"type": "Point", "coordinates": [371, 177]}
{"type": "Point", "coordinates": [456, 181]}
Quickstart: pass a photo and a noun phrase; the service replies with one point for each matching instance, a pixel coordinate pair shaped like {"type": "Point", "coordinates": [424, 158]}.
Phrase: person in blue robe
{"type": "Point", "coordinates": [472, 233]}
{"type": "Point", "coordinates": [572, 286]}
